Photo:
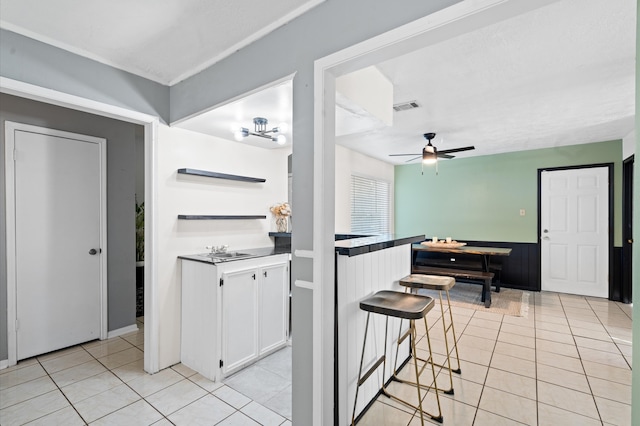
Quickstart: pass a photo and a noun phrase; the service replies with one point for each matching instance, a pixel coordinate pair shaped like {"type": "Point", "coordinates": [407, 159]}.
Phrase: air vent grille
{"type": "Point", "coordinates": [406, 105]}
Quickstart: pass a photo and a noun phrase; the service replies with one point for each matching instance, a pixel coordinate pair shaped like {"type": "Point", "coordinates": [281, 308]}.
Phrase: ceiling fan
{"type": "Point", "coordinates": [430, 153]}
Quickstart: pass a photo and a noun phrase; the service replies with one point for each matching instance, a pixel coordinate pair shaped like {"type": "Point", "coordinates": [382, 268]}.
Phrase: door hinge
{"type": "Point", "coordinates": [254, 276]}
{"type": "Point", "coordinates": [221, 363]}
{"type": "Point", "coordinates": [221, 282]}
{"type": "Point", "coordinates": [265, 274]}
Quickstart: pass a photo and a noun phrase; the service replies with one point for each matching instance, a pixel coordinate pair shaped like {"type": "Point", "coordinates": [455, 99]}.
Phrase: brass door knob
{"type": "Point", "coordinates": [630, 241]}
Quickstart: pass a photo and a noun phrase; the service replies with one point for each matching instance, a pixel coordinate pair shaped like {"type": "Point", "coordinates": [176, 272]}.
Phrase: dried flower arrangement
{"type": "Point", "coordinates": [281, 211]}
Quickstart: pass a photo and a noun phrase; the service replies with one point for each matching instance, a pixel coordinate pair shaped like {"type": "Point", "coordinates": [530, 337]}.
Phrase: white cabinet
{"type": "Point", "coordinates": [233, 313]}
{"type": "Point", "coordinates": [239, 319]}
{"type": "Point", "coordinates": [273, 297]}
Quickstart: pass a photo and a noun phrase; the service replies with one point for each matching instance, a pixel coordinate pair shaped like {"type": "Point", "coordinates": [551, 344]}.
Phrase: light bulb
{"type": "Point", "coordinates": [235, 127]}
{"type": "Point", "coordinates": [283, 127]}
{"type": "Point", "coordinates": [281, 139]}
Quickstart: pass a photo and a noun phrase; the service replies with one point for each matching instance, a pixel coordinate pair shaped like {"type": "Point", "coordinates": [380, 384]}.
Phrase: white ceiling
{"type": "Point", "coordinates": [163, 40]}
{"type": "Point", "coordinates": [563, 74]}
{"type": "Point", "coordinates": [274, 103]}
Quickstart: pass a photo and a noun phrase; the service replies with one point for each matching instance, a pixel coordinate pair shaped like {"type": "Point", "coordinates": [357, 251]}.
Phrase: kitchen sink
{"type": "Point", "coordinates": [226, 255]}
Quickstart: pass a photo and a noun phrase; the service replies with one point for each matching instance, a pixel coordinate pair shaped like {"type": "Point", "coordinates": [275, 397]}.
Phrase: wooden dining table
{"type": "Point", "coordinates": [453, 268]}
{"type": "Point", "coordinates": [484, 252]}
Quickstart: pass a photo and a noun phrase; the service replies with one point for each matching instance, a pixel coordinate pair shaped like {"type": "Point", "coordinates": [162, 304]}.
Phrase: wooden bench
{"type": "Point", "coordinates": [485, 277]}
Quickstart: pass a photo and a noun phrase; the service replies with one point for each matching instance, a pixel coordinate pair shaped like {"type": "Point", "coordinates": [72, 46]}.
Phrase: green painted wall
{"type": "Point", "coordinates": [480, 198]}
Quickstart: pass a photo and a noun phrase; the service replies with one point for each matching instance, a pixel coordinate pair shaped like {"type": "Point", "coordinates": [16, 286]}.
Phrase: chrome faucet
{"type": "Point", "coordinates": [217, 249]}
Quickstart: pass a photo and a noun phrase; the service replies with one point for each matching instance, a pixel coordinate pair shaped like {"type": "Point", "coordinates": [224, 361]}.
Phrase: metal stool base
{"type": "Point", "coordinates": [393, 304]}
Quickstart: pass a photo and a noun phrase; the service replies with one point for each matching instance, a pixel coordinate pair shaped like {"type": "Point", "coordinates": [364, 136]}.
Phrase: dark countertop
{"type": "Point", "coordinates": [256, 252]}
{"type": "Point", "coordinates": [345, 247]}
{"type": "Point", "coordinates": [356, 246]}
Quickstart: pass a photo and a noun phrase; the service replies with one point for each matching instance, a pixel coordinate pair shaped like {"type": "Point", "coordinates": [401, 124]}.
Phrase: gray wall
{"type": "Point", "coordinates": [121, 170]}
{"type": "Point", "coordinates": [34, 62]}
{"type": "Point", "coordinates": [329, 27]}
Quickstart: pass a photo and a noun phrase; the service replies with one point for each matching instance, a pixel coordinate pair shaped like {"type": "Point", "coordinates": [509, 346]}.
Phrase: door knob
{"type": "Point", "coordinates": [93, 252]}
{"type": "Point", "coordinates": [545, 231]}
{"type": "Point", "coordinates": [545, 238]}
{"type": "Point", "coordinates": [630, 241]}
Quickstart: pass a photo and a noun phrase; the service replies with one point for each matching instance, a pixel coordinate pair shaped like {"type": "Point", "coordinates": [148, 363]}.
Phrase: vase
{"type": "Point", "coordinates": [281, 224]}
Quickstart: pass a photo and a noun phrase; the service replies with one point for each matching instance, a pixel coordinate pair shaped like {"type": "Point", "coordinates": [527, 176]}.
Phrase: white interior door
{"type": "Point", "coordinates": [58, 202]}
{"type": "Point", "coordinates": [575, 231]}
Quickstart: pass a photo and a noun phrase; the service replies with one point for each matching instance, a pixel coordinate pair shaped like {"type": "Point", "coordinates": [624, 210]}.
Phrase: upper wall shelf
{"type": "Point", "coordinates": [217, 175]}
{"type": "Point", "coordinates": [218, 217]}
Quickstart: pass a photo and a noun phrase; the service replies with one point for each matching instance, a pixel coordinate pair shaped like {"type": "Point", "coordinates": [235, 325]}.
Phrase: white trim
{"type": "Point", "coordinates": [308, 254]}
{"type": "Point", "coordinates": [122, 331]}
{"type": "Point", "coordinates": [10, 201]}
{"type": "Point", "coordinates": [4, 364]}
{"type": "Point", "coordinates": [445, 24]}
{"type": "Point", "coordinates": [304, 284]}
{"type": "Point", "coordinates": [104, 305]}
{"type": "Point", "coordinates": [151, 307]}
{"type": "Point", "coordinates": [30, 91]}
{"type": "Point", "coordinates": [10, 218]}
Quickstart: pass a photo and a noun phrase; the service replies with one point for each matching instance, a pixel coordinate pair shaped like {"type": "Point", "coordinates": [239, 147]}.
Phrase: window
{"type": "Point", "coordinates": [369, 206]}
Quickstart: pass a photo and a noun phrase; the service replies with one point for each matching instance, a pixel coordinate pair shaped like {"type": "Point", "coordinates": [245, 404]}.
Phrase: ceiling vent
{"type": "Point", "coordinates": [405, 106]}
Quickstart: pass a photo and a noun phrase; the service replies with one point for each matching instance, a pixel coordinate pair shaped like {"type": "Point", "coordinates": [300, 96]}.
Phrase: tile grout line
{"type": "Point", "coordinates": [595, 403]}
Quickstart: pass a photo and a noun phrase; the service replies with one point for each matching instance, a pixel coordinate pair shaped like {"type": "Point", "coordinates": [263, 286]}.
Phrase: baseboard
{"type": "Point", "coordinates": [4, 364]}
{"type": "Point", "coordinates": [121, 331]}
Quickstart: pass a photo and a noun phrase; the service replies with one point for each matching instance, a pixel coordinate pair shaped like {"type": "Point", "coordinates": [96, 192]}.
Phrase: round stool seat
{"type": "Point", "coordinates": [398, 305]}
{"type": "Point", "coordinates": [430, 282]}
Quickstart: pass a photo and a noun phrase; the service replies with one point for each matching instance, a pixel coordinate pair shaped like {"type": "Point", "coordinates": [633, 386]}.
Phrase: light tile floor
{"type": "Point", "coordinates": [103, 383]}
{"type": "Point", "coordinates": [566, 363]}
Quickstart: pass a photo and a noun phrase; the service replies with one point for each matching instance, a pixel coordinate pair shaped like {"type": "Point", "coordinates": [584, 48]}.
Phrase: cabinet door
{"type": "Point", "coordinates": [240, 318]}
{"type": "Point", "coordinates": [274, 307]}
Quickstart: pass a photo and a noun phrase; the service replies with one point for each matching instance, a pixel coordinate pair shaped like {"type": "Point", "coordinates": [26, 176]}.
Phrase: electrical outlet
{"type": "Point", "coordinates": [522, 212]}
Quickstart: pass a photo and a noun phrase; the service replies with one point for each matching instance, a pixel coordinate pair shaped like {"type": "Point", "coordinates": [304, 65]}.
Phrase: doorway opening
{"type": "Point", "coordinates": [627, 230]}
{"type": "Point", "coordinates": [149, 123]}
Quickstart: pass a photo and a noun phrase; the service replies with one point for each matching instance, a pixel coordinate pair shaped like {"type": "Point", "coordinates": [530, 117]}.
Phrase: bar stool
{"type": "Point", "coordinates": [440, 284]}
{"type": "Point", "coordinates": [404, 306]}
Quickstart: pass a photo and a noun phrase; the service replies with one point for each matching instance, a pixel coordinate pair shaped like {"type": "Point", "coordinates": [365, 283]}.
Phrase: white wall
{"type": "Point", "coordinates": [629, 145]}
{"type": "Point", "coordinates": [183, 194]}
{"type": "Point", "coordinates": [349, 162]}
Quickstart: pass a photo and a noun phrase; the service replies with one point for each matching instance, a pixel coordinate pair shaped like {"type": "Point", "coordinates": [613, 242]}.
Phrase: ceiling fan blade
{"type": "Point", "coordinates": [451, 151]}
{"type": "Point", "coordinates": [447, 156]}
{"type": "Point", "coordinates": [400, 155]}
{"type": "Point", "coordinates": [415, 158]}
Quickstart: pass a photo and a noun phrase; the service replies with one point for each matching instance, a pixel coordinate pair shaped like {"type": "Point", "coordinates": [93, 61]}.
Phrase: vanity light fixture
{"type": "Point", "coordinates": [260, 129]}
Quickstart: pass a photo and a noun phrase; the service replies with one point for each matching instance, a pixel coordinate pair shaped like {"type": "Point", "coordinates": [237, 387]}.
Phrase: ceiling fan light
{"type": "Point", "coordinates": [429, 155]}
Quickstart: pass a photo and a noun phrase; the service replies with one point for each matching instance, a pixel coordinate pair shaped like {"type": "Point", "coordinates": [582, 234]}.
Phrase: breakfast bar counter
{"type": "Point", "coordinates": [364, 266]}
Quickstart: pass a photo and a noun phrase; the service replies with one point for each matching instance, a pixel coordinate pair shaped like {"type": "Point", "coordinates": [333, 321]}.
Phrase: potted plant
{"type": "Point", "coordinates": [139, 259]}
{"type": "Point", "coordinates": [140, 234]}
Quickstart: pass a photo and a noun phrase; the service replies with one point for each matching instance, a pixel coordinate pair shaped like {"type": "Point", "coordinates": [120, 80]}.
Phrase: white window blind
{"type": "Point", "coordinates": [369, 206]}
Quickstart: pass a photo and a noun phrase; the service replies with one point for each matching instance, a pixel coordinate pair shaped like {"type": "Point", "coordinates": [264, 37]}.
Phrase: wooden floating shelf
{"type": "Point", "coordinates": [217, 175]}
{"type": "Point", "coordinates": [219, 217]}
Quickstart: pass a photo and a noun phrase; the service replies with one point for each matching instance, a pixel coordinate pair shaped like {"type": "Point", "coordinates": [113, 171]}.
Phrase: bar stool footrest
{"type": "Point", "coordinates": [371, 370]}
{"type": "Point", "coordinates": [388, 394]}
